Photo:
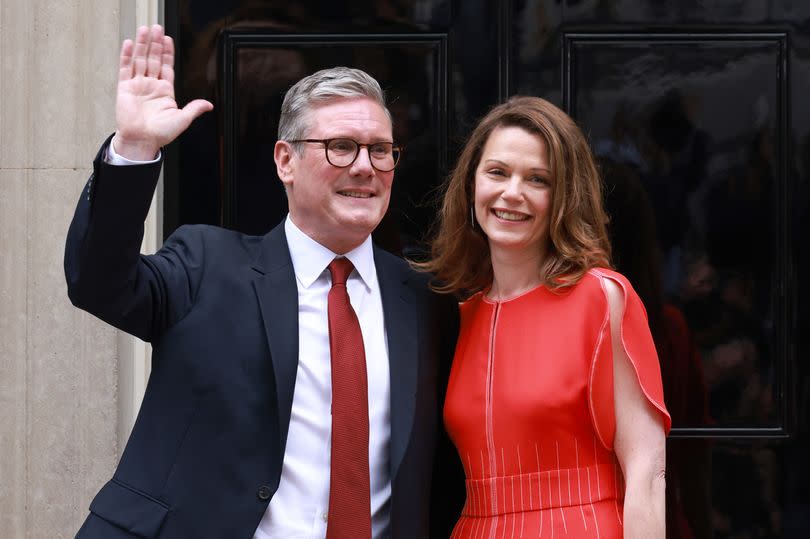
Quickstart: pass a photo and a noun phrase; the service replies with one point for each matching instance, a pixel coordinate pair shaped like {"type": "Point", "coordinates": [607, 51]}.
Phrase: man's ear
{"type": "Point", "coordinates": [284, 155]}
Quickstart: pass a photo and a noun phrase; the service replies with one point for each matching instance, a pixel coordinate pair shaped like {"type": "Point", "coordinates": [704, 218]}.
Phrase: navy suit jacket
{"type": "Point", "coordinates": [221, 311]}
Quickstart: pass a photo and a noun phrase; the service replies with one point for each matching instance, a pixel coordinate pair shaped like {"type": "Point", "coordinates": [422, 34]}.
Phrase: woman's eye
{"type": "Point", "coordinates": [538, 179]}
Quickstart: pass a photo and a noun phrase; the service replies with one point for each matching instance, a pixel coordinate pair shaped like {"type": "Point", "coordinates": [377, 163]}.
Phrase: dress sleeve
{"type": "Point", "coordinates": [638, 343]}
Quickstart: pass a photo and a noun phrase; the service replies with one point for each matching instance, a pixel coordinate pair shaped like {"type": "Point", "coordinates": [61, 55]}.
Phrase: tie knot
{"type": "Point", "coordinates": [340, 268]}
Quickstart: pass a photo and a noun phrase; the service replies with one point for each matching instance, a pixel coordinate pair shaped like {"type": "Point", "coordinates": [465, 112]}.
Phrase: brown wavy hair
{"type": "Point", "coordinates": [578, 240]}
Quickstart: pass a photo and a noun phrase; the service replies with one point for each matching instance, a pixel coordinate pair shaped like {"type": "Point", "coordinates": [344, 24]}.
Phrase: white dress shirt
{"type": "Point", "coordinates": [113, 158]}
{"type": "Point", "coordinates": [298, 509]}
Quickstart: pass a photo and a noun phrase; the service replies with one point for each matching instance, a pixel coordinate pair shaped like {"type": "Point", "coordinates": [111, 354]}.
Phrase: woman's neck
{"type": "Point", "coordinates": [514, 273]}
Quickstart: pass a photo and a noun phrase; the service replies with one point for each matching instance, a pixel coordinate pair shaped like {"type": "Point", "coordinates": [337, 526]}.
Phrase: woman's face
{"type": "Point", "coordinates": [513, 192]}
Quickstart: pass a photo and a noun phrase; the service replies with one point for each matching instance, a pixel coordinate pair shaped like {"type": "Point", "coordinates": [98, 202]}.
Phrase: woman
{"type": "Point", "coordinates": [554, 401]}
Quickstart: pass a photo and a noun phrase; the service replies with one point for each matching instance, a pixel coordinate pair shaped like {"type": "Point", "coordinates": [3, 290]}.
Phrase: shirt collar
{"type": "Point", "coordinates": [310, 258]}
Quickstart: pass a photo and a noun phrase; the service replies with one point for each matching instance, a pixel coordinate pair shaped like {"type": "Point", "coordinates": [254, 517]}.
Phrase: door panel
{"type": "Point", "coordinates": [657, 103]}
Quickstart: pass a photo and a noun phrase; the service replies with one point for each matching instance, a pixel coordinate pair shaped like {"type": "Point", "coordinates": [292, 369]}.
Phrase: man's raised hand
{"type": "Point", "coordinates": [146, 114]}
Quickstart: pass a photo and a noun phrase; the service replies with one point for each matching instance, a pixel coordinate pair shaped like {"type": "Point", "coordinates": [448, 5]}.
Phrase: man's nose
{"type": "Point", "coordinates": [362, 165]}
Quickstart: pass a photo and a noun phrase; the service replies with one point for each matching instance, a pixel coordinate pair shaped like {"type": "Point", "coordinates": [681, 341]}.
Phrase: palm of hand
{"type": "Point", "coordinates": [147, 108]}
{"type": "Point", "coordinates": [147, 115]}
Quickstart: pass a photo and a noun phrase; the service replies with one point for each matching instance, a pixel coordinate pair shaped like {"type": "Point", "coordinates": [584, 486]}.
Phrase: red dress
{"type": "Point", "coordinates": [530, 410]}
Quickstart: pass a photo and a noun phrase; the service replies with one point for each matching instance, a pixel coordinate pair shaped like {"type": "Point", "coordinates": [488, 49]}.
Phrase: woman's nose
{"type": "Point", "coordinates": [513, 189]}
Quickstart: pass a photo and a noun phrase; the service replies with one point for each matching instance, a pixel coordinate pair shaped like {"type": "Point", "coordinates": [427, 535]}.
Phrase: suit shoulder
{"type": "Point", "coordinates": [210, 236]}
{"type": "Point", "coordinates": [417, 279]}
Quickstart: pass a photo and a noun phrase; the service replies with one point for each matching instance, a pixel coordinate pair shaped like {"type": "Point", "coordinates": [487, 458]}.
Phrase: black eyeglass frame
{"type": "Point", "coordinates": [396, 150]}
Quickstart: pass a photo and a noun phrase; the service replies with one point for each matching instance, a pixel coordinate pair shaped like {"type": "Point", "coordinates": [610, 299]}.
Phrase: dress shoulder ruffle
{"type": "Point", "coordinates": [638, 344]}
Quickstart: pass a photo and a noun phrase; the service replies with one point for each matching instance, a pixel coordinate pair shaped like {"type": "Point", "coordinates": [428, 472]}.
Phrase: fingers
{"type": "Point", "coordinates": [147, 56]}
{"type": "Point", "coordinates": [154, 58]}
{"type": "Point", "coordinates": [167, 69]}
{"type": "Point", "coordinates": [125, 61]}
{"type": "Point", "coordinates": [139, 51]}
{"type": "Point", "coordinates": [189, 113]}
{"type": "Point", "coordinates": [196, 108]}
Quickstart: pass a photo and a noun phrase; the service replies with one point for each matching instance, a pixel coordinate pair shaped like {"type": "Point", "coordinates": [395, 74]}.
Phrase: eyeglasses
{"type": "Point", "coordinates": [342, 152]}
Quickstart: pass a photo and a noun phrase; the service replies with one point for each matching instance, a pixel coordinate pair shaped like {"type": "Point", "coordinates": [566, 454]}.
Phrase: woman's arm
{"type": "Point", "coordinates": [640, 443]}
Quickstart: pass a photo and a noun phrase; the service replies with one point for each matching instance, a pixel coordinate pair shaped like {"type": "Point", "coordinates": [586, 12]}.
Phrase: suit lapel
{"type": "Point", "coordinates": [277, 293]}
{"type": "Point", "coordinates": [399, 310]}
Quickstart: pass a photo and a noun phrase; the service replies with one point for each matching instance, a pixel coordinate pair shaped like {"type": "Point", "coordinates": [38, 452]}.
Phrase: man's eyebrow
{"type": "Point", "coordinates": [334, 137]}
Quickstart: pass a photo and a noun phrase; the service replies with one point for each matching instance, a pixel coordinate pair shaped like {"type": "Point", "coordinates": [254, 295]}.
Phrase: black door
{"type": "Point", "coordinates": [698, 111]}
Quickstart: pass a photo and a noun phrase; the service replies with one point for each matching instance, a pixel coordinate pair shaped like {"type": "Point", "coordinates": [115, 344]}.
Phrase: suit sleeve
{"type": "Point", "coordinates": [447, 486]}
{"type": "Point", "coordinates": [105, 272]}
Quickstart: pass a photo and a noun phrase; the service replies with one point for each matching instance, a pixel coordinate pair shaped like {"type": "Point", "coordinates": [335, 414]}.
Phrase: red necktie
{"type": "Point", "coordinates": [349, 488]}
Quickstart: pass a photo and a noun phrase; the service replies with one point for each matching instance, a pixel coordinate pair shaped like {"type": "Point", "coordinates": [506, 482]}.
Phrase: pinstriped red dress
{"type": "Point", "coordinates": [530, 410]}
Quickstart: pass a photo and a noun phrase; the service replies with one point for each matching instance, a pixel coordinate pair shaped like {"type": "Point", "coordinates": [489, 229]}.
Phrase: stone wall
{"type": "Point", "coordinates": [60, 416]}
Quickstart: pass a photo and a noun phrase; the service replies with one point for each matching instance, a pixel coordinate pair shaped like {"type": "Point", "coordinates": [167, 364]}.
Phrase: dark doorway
{"type": "Point", "coordinates": [698, 112]}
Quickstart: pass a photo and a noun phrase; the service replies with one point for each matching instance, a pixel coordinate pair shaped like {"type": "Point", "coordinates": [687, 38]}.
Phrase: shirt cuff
{"type": "Point", "coordinates": [112, 158]}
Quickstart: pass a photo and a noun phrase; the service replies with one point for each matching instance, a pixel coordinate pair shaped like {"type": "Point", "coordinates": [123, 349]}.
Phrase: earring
{"type": "Point", "coordinates": [472, 217]}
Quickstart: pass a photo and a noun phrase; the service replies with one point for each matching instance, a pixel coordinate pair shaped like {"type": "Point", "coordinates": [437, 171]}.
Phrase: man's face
{"type": "Point", "coordinates": [337, 207]}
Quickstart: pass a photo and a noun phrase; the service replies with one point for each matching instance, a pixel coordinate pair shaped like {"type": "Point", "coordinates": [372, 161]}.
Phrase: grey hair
{"type": "Point", "coordinates": [320, 87]}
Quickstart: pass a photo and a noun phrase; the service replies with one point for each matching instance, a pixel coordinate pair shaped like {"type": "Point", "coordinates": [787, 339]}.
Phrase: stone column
{"type": "Point", "coordinates": [62, 420]}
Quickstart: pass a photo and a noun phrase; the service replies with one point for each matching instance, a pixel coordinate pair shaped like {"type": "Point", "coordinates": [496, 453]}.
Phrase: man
{"type": "Point", "coordinates": [277, 407]}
